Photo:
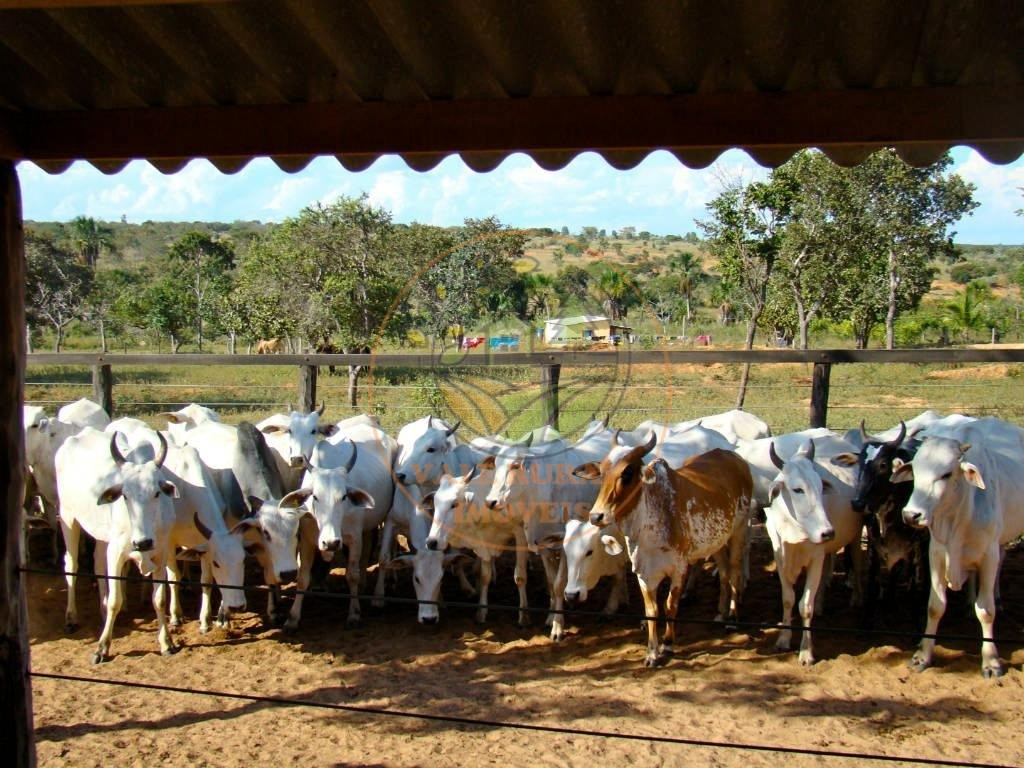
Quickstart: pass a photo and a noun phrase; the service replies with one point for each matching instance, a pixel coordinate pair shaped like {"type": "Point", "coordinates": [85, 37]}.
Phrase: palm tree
{"type": "Point", "coordinates": [967, 312]}
{"type": "Point", "coordinates": [89, 237]}
{"type": "Point", "coordinates": [611, 288]}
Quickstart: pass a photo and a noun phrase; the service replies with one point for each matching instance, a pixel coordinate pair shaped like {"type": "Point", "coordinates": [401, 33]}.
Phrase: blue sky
{"type": "Point", "coordinates": [659, 195]}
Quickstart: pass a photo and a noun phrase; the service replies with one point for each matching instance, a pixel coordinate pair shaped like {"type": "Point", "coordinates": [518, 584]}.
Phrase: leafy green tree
{"type": "Point", "coordinates": [168, 310]}
{"type": "Point", "coordinates": [968, 311]}
{"type": "Point", "coordinates": [745, 231]}
{"type": "Point", "coordinates": [89, 238]}
{"type": "Point", "coordinates": [572, 284]}
{"type": "Point", "coordinates": [543, 300]}
{"type": "Point", "coordinates": [105, 303]}
{"type": "Point", "coordinates": [56, 286]}
{"type": "Point", "coordinates": [612, 290]}
{"type": "Point", "coordinates": [203, 266]}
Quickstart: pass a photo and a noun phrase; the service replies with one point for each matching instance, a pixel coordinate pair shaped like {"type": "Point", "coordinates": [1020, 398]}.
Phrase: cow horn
{"type": "Point", "coordinates": [528, 441]}
{"type": "Point", "coordinates": [473, 472]}
{"type": "Point", "coordinates": [115, 452]}
{"type": "Point", "coordinates": [649, 445]}
{"type": "Point", "coordinates": [323, 406]}
{"type": "Point", "coordinates": [615, 437]}
{"type": "Point", "coordinates": [450, 432]}
{"type": "Point", "coordinates": [810, 450]}
{"type": "Point", "coordinates": [899, 438]}
{"type": "Point", "coordinates": [161, 454]}
{"type": "Point", "coordinates": [864, 436]}
{"type": "Point", "coordinates": [206, 532]}
{"type": "Point", "coordinates": [352, 459]}
{"type": "Point", "coordinates": [430, 422]}
{"type": "Point", "coordinates": [778, 462]}
{"type": "Point", "coordinates": [607, 418]}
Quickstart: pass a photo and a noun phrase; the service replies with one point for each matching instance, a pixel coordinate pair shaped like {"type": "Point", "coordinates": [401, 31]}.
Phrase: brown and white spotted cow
{"type": "Point", "coordinates": [672, 518]}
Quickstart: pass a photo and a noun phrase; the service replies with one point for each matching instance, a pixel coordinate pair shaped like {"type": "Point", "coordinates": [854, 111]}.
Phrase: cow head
{"type": "Point", "coordinates": [943, 482]}
{"type": "Point", "coordinates": [331, 497]}
{"type": "Point", "coordinates": [622, 473]}
{"type": "Point", "coordinates": [271, 534]}
{"type": "Point", "coordinates": [509, 463]}
{"type": "Point", "coordinates": [588, 550]}
{"type": "Point", "coordinates": [796, 496]}
{"type": "Point", "coordinates": [146, 494]}
{"type": "Point", "coordinates": [226, 553]}
{"type": "Point", "coordinates": [303, 430]}
{"type": "Point", "coordinates": [450, 504]}
{"type": "Point", "coordinates": [423, 446]}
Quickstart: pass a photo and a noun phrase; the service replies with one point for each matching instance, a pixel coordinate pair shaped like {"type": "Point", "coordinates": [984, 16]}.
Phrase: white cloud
{"type": "Point", "coordinates": [999, 187]}
{"type": "Point", "coordinates": [180, 195]}
{"type": "Point", "coordinates": [388, 192]}
{"type": "Point", "coordinates": [286, 196]}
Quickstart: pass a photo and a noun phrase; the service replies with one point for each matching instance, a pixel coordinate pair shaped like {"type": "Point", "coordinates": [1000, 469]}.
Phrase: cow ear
{"type": "Point", "coordinates": [169, 489]}
{"type": "Point", "coordinates": [427, 503]}
{"type": "Point", "coordinates": [826, 487]}
{"type": "Point", "coordinates": [469, 496]}
{"type": "Point", "coordinates": [173, 418]}
{"type": "Point", "coordinates": [902, 471]}
{"type": "Point", "coordinates": [973, 475]}
{"type": "Point", "coordinates": [193, 553]}
{"type": "Point", "coordinates": [360, 498]}
{"type": "Point", "coordinates": [845, 459]}
{"type": "Point", "coordinates": [328, 429]}
{"type": "Point", "coordinates": [773, 491]}
{"type": "Point", "coordinates": [296, 499]}
{"type": "Point", "coordinates": [110, 495]}
{"type": "Point", "coordinates": [588, 471]}
{"type": "Point", "coordinates": [255, 504]}
{"type": "Point", "coordinates": [487, 463]}
{"type": "Point", "coordinates": [611, 545]}
{"type": "Point", "coordinates": [272, 429]}
{"type": "Point", "coordinates": [649, 474]}
{"type": "Point", "coordinates": [244, 525]}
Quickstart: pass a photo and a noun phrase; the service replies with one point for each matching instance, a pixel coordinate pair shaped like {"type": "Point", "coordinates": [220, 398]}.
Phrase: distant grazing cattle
{"type": "Point", "coordinates": [269, 346]}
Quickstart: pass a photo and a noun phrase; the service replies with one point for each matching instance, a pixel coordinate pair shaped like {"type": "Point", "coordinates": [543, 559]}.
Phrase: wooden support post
{"type": "Point", "coordinates": [549, 393]}
{"type": "Point", "coordinates": [819, 394]}
{"type": "Point", "coordinates": [103, 387]}
{"type": "Point", "coordinates": [16, 726]}
{"type": "Point", "coordinates": [307, 388]}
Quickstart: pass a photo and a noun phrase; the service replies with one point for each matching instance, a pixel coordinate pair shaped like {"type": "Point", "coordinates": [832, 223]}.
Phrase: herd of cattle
{"type": "Point", "coordinates": [653, 501]}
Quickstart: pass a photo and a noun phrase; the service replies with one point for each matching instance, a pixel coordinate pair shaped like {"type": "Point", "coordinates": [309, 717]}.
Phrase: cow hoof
{"type": "Point", "coordinates": [278, 619]}
{"type": "Point", "coordinates": [918, 663]}
{"type": "Point", "coordinates": [652, 660]}
{"type": "Point", "coordinates": [665, 651]}
{"type": "Point", "coordinates": [557, 636]}
{"type": "Point", "coordinates": [175, 622]}
{"type": "Point", "coordinates": [70, 628]}
{"type": "Point", "coordinates": [99, 658]}
{"type": "Point", "coordinates": [996, 670]}
{"type": "Point", "coordinates": [353, 622]}
{"type": "Point", "coordinates": [806, 660]}
{"type": "Point", "coordinates": [204, 630]}
{"type": "Point", "coordinates": [378, 603]}
{"type": "Point", "coordinates": [169, 651]}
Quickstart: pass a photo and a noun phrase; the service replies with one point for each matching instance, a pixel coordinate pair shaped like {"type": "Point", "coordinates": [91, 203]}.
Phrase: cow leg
{"type": "Point", "coordinates": [163, 633]}
{"type": "Point", "coordinates": [812, 584]}
{"type": "Point", "coordinates": [985, 609]}
{"type": "Point", "coordinates": [71, 536]}
{"type": "Point", "coordinates": [671, 611]}
{"type": "Point", "coordinates": [558, 598]}
{"type": "Point", "coordinates": [174, 576]}
{"type": "Point", "coordinates": [554, 571]}
{"type": "Point", "coordinates": [519, 576]}
{"type": "Point", "coordinates": [486, 572]}
{"type": "Point", "coordinates": [387, 548]}
{"type": "Point", "coordinates": [874, 566]}
{"type": "Point", "coordinates": [353, 577]}
{"type": "Point", "coordinates": [856, 575]}
{"type": "Point", "coordinates": [307, 551]}
{"type": "Point", "coordinates": [651, 612]}
{"type": "Point", "coordinates": [618, 595]}
{"type": "Point", "coordinates": [690, 588]}
{"type": "Point", "coordinates": [922, 658]}
{"type": "Point", "coordinates": [115, 566]}
{"type": "Point", "coordinates": [206, 596]}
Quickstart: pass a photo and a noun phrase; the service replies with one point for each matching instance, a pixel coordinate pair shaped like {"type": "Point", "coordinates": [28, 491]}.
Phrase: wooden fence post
{"type": "Point", "coordinates": [819, 394]}
{"type": "Point", "coordinates": [307, 388]}
{"type": "Point", "coordinates": [103, 387]}
{"type": "Point", "coordinates": [16, 729]}
{"type": "Point", "coordinates": [549, 392]}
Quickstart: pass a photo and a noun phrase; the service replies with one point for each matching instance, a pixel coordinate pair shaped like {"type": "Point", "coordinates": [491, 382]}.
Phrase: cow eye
{"type": "Point", "coordinates": [216, 564]}
{"type": "Point", "coordinates": [589, 553]}
{"type": "Point", "coordinates": [947, 476]}
{"type": "Point", "coordinates": [156, 495]}
{"type": "Point", "coordinates": [266, 535]}
{"type": "Point", "coordinates": [430, 450]}
{"type": "Point", "coordinates": [416, 579]}
{"type": "Point", "coordinates": [798, 490]}
{"type": "Point", "coordinates": [627, 474]}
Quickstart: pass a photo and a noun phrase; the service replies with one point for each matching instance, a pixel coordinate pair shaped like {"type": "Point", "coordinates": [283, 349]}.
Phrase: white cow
{"type": "Point", "coordinates": [968, 491]}
{"type": "Point", "coordinates": [124, 505]}
{"type": "Point", "coordinates": [348, 488]}
{"type": "Point", "coordinates": [592, 553]}
{"type": "Point", "coordinates": [84, 413]}
{"type": "Point", "coordinates": [179, 422]}
{"type": "Point", "coordinates": [763, 469]}
{"type": "Point", "coordinates": [810, 516]}
{"type": "Point", "coordinates": [462, 519]}
{"type": "Point", "coordinates": [292, 437]}
{"type": "Point", "coordinates": [199, 525]}
{"type": "Point", "coordinates": [423, 446]}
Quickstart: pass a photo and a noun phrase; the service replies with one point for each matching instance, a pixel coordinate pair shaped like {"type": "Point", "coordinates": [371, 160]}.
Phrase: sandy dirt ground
{"type": "Point", "coordinates": [722, 686]}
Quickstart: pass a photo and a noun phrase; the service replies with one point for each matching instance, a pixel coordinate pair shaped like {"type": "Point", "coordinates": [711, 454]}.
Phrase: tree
{"type": "Point", "coordinates": [202, 264]}
{"type": "Point", "coordinates": [168, 310]}
{"type": "Point", "coordinates": [611, 289]}
{"type": "Point", "coordinates": [88, 239]}
{"type": "Point", "coordinates": [56, 286]}
{"type": "Point", "coordinates": [465, 273]}
{"type": "Point", "coordinates": [908, 213]}
{"type": "Point", "coordinates": [684, 269]}
{"type": "Point", "coordinates": [105, 303]}
{"type": "Point", "coordinates": [968, 311]}
{"type": "Point", "coordinates": [745, 232]}
{"type": "Point", "coordinates": [542, 296]}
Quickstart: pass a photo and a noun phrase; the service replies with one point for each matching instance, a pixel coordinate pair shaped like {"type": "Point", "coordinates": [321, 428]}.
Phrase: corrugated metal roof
{"type": "Point", "coordinates": [114, 81]}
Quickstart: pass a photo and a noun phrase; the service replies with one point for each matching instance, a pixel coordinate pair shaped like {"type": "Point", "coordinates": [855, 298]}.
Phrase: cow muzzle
{"type": "Point", "coordinates": [828, 534]}
{"type": "Point", "coordinates": [432, 544]}
{"type": "Point", "coordinates": [914, 518]}
{"type": "Point", "coordinates": [859, 505]}
{"type": "Point", "coordinates": [297, 462]}
{"type": "Point", "coordinates": [142, 545]}
{"type": "Point", "coordinates": [330, 546]}
{"type": "Point", "coordinates": [571, 599]}
{"type": "Point", "coordinates": [597, 518]}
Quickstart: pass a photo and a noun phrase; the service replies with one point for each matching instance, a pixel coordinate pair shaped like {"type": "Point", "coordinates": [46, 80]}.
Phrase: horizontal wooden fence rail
{"type": "Point", "coordinates": [549, 363]}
